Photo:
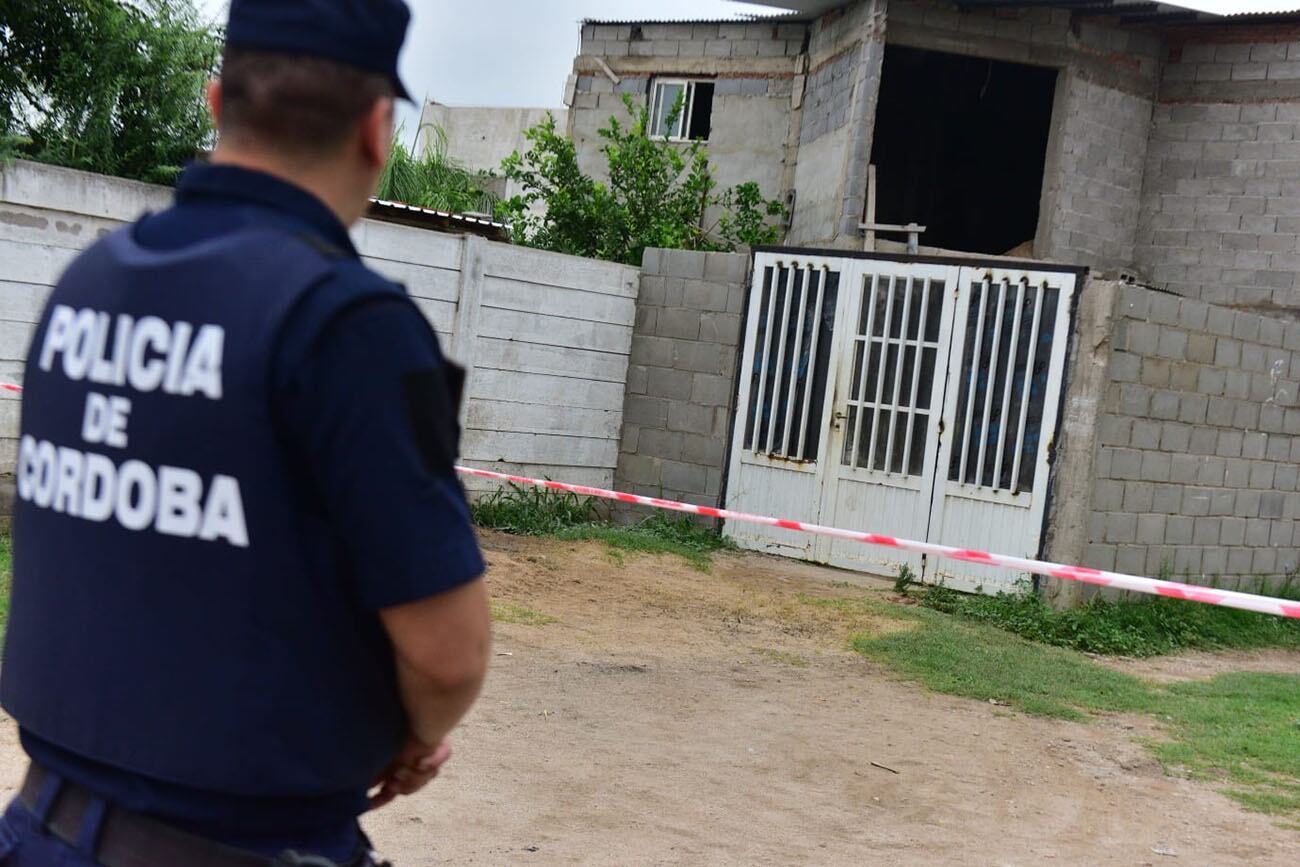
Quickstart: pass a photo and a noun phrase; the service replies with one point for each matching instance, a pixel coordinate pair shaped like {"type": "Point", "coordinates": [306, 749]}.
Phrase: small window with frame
{"type": "Point", "coordinates": [695, 117]}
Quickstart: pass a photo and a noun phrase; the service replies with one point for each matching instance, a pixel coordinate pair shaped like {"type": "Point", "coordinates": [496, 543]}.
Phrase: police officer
{"type": "Point", "coordinates": [246, 601]}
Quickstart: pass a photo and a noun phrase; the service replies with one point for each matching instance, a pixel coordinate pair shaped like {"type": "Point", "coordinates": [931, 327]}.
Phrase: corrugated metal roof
{"type": "Point", "coordinates": [1250, 13]}
{"type": "Point", "coordinates": [740, 18]}
{"type": "Point", "coordinates": [428, 218]}
{"type": "Point", "coordinates": [1144, 11]}
{"type": "Point", "coordinates": [1130, 11]}
{"type": "Point", "coordinates": [801, 7]}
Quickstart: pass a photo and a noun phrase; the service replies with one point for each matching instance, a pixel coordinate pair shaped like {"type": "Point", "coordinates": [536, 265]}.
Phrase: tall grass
{"type": "Point", "coordinates": [539, 512]}
{"type": "Point", "coordinates": [434, 179]}
{"type": "Point", "coordinates": [1128, 627]}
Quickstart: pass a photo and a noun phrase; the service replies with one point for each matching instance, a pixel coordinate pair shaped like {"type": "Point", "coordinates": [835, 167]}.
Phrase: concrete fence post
{"type": "Point", "coordinates": [468, 303]}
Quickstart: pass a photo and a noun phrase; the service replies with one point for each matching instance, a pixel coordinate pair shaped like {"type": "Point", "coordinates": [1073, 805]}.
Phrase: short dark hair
{"type": "Point", "coordinates": [295, 103]}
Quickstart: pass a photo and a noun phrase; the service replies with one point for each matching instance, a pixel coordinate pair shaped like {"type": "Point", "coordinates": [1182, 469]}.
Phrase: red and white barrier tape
{"type": "Point", "coordinates": [1152, 586]}
{"type": "Point", "coordinates": [1118, 580]}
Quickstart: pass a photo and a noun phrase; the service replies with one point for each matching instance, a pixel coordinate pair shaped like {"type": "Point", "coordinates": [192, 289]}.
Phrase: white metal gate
{"type": "Point", "coordinates": [910, 398]}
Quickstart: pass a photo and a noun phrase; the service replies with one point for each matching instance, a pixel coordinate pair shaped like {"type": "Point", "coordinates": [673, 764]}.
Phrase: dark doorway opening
{"type": "Point", "coordinates": [960, 145]}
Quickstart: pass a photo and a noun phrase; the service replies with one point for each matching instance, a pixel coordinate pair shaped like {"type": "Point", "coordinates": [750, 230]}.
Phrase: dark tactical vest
{"type": "Point", "coordinates": [177, 610]}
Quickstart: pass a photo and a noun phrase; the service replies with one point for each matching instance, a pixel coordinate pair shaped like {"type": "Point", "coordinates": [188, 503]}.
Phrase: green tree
{"type": "Point", "coordinates": [434, 179]}
{"type": "Point", "coordinates": [660, 194]}
{"type": "Point", "coordinates": [107, 86]}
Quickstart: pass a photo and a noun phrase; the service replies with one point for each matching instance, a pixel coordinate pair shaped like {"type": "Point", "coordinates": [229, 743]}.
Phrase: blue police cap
{"type": "Point", "coordinates": [367, 34]}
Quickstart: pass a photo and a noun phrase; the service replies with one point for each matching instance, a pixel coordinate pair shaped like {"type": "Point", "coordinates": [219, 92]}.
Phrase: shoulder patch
{"type": "Point", "coordinates": [433, 399]}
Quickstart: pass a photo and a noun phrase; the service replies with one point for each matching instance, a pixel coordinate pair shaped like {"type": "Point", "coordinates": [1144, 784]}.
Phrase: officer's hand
{"type": "Point", "coordinates": [410, 772]}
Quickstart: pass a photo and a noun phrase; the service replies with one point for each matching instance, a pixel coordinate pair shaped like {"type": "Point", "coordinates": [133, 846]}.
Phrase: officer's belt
{"type": "Point", "coordinates": [127, 839]}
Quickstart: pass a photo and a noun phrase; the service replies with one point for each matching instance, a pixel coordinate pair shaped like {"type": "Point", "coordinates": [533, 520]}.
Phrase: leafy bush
{"type": "Point", "coordinates": [434, 179]}
{"type": "Point", "coordinates": [106, 85]}
{"type": "Point", "coordinates": [660, 194]}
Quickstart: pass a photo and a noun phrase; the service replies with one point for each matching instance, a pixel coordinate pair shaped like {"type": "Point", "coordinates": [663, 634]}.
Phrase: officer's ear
{"type": "Point", "coordinates": [214, 100]}
{"type": "Point", "coordinates": [377, 133]}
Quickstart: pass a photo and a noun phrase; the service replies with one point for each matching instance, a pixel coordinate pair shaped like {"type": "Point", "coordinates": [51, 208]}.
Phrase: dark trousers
{"type": "Point", "coordinates": [26, 839]}
{"type": "Point", "coordinates": [23, 843]}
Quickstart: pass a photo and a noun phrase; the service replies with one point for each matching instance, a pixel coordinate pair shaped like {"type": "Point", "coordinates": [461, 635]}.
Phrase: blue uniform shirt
{"type": "Point", "coordinates": [341, 401]}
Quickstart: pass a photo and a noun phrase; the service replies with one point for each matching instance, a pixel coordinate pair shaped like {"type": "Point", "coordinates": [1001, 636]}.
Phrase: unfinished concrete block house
{"type": "Point", "coordinates": [1037, 290]}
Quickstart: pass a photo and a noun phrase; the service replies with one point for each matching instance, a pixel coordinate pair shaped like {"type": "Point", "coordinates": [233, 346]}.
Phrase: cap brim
{"type": "Point", "coordinates": [401, 91]}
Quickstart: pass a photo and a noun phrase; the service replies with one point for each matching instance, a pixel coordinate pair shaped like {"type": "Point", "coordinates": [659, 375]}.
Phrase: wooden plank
{"type": "Point", "coordinates": [421, 281]}
{"type": "Point", "coordinates": [440, 314]}
{"type": "Point", "coordinates": [558, 301]}
{"type": "Point", "coordinates": [407, 244]}
{"type": "Point", "coordinates": [537, 388]}
{"type": "Point", "coordinates": [14, 337]}
{"type": "Point", "coordinates": [491, 415]}
{"type": "Point", "coordinates": [526, 448]}
{"type": "Point", "coordinates": [30, 225]}
{"type": "Point", "coordinates": [22, 302]}
{"type": "Point", "coordinates": [497, 354]}
{"type": "Point", "coordinates": [555, 331]}
{"type": "Point", "coordinates": [33, 263]}
{"type": "Point", "coordinates": [556, 269]}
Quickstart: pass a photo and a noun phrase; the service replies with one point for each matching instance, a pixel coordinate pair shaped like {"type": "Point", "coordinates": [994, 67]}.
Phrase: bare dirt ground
{"type": "Point", "coordinates": [670, 716]}
{"type": "Point", "coordinates": [675, 717]}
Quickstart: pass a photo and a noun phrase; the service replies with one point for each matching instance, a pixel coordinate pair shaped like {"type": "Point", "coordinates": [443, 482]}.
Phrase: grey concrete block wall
{"type": "Point", "coordinates": [837, 125]}
{"type": "Point", "coordinates": [1221, 205]}
{"type": "Point", "coordinates": [1093, 191]}
{"type": "Point", "coordinates": [694, 39]}
{"type": "Point", "coordinates": [1198, 438]}
{"type": "Point", "coordinates": [754, 66]}
{"type": "Point", "coordinates": [681, 380]}
{"type": "Point", "coordinates": [812, 127]}
{"type": "Point", "coordinates": [1107, 83]}
{"type": "Point", "coordinates": [828, 96]}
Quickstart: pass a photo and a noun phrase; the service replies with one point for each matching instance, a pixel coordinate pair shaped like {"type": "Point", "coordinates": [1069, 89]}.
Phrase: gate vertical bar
{"type": "Point", "coordinates": [769, 290]}
{"type": "Point", "coordinates": [1040, 296]}
{"type": "Point", "coordinates": [869, 298]}
{"type": "Point", "coordinates": [880, 377]}
{"type": "Point", "coordinates": [987, 421]}
{"type": "Point", "coordinates": [822, 276]}
{"type": "Point", "coordinates": [1003, 422]}
{"type": "Point", "coordinates": [974, 372]}
{"type": "Point", "coordinates": [794, 364]}
{"type": "Point", "coordinates": [916, 369]}
{"type": "Point", "coordinates": [898, 372]}
{"type": "Point", "coordinates": [780, 357]}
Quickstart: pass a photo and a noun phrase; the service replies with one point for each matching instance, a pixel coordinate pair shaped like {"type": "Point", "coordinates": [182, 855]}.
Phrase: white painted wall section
{"type": "Point", "coordinates": [545, 337]}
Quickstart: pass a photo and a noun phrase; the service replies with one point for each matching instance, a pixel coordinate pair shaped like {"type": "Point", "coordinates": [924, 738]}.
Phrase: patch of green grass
{"type": "Point", "coordinates": [1240, 730]}
{"type": "Point", "coordinates": [510, 612]}
{"type": "Point", "coordinates": [1148, 626]}
{"type": "Point", "coordinates": [540, 512]}
{"type": "Point", "coordinates": [979, 661]}
{"type": "Point", "coordinates": [657, 534]}
{"type": "Point", "coordinates": [530, 511]}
